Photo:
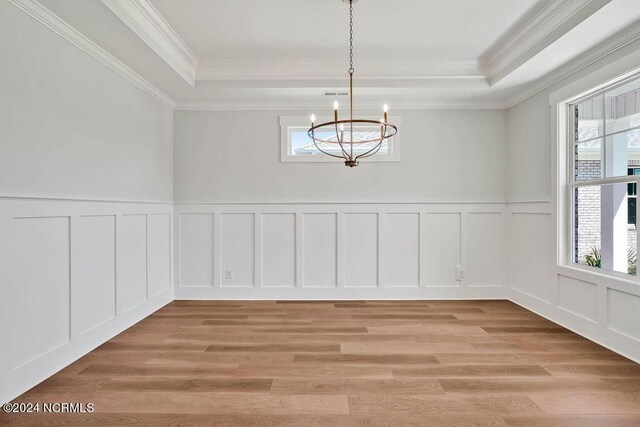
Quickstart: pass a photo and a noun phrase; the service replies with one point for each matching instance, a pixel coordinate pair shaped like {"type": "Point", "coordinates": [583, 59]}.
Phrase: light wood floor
{"type": "Point", "coordinates": [346, 363]}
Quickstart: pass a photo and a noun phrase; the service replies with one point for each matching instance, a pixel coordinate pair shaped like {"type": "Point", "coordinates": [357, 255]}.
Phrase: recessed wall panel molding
{"type": "Point", "coordinates": [623, 313]}
{"type": "Point", "coordinates": [578, 298]}
{"type": "Point", "coordinates": [94, 278]}
{"type": "Point", "coordinates": [159, 253]}
{"type": "Point", "coordinates": [278, 250]}
{"type": "Point", "coordinates": [525, 271]}
{"type": "Point", "coordinates": [41, 287]}
{"type": "Point", "coordinates": [361, 250]}
{"type": "Point", "coordinates": [486, 249]}
{"type": "Point", "coordinates": [132, 261]}
{"type": "Point", "coordinates": [441, 248]}
{"type": "Point", "coordinates": [196, 249]}
{"type": "Point", "coordinates": [320, 250]}
{"type": "Point", "coordinates": [237, 250]}
{"type": "Point", "coordinates": [402, 249]}
{"type": "Point", "coordinates": [75, 276]}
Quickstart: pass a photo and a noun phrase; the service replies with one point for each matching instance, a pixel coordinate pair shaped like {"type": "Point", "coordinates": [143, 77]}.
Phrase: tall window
{"type": "Point", "coordinates": [605, 171]}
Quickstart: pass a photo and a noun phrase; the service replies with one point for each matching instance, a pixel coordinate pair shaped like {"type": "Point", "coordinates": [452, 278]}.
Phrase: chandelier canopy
{"type": "Point", "coordinates": [347, 136]}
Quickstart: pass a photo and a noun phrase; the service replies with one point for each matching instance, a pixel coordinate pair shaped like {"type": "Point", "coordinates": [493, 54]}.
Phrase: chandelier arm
{"type": "Point", "coordinates": [341, 141]}
{"type": "Point", "coordinates": [376, 148]}
{"type": "Point", "coordinates": [321, 150]}
{"type": "Point", "coordinates": [370, 153]}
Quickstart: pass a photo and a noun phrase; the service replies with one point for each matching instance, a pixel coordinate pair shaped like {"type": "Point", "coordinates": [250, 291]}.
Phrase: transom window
{"type": "Point", "coordinates": [296, 146]}
{"type": "Point", "coordinates": [605, 159]}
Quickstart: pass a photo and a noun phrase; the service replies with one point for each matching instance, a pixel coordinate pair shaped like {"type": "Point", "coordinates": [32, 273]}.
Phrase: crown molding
{"type": "Point", "coordinates": [306, 106]}
{"type": "Point", "coordinates": [539, 29]}
{"type": "Point", "coordinates": [148, 24]}
{"type": "Point", "coordinates": [616, 42]}
{"type": "Point", "coordinates": [226, 70]}
{"type": "Point", "coordinates": [50, 20]}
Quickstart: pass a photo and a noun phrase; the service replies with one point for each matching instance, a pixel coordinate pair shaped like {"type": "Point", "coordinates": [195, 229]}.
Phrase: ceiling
{"type": "Point", "coordinates": [311, 30]}
{"type": "Point", "coordinates": [287, 54]}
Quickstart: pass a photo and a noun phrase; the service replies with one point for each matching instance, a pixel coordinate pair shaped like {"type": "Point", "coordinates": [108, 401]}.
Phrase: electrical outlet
{"type": "Point", "coordinates": [228, 274]}
{"type": "Point", "coordinates": [459, 273]}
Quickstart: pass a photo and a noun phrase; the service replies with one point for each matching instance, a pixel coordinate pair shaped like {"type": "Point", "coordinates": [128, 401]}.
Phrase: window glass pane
{"type": "Point", "coordinates": [590, 119]}
{"type": "Point", "coordinates": [588, 157]}
{"type": "Point", "coordinates": [621, 150]}
{"type": "Point", "coordinates": [603, 238]}
{"type": "Point", "coordinates": [622, 107]}
{"type": "Point", "coordinates": [302, 145]}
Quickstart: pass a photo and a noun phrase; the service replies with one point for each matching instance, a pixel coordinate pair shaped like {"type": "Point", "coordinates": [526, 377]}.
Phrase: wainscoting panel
{"type": "Point", "coordinates": [196, 250]}
{"type": "Point", "coordinates": [237, 249]}
{"type": "Point", "coordinates": [95, 272]}
{"type": "Point", "coordinates": [132, 261]}
{"type": "Point", "coordinates": [578, 298]}
{"type": "Point", "coordinates": [600, 307]}
{"type": "Point", "coordinates": [361, 250]}
{"type": "Point", "coordinates": [441, 250]}
{"type": "Point", "coordinates": [624, 312]}
{"type": "Point", "coordinates": [486, 239]}
{"type": "Point", "coordinates": [320, 250]}
{"type": "Point", "coordinates": [159, 253]}
{"type": "Point", "coordinates": [339, 250]}
{"type": "Point", "coordinates": [41, 286]}
{"type": "Point", "coordinates": [74, 274]}
{"type": "Point", "coordinates": [402, 246]}
{"type": "Point", "coordinates": [279, 250]}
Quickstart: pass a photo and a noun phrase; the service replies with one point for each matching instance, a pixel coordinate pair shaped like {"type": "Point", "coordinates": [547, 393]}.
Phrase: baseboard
{"type": "Point", "coordinates": [599, 335]}
{"type": "Point", "coordinates": [329, 294]}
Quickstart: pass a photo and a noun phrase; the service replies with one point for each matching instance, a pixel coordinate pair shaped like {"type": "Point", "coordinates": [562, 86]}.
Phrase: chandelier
{"type": "Point", "coordinates": [354, 145]}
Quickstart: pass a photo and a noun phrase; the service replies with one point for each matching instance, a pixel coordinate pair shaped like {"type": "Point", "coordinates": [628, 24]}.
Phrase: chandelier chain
{"type": "Point", "coordinates": [351, 70]}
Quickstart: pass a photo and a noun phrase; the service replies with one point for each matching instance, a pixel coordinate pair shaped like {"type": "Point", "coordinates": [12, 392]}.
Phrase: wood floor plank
{"type": "Point", "coordinates": [607, 403]}
{"type": "Point", "coordinates": [574, 421]}
{"type": "Point", "coordinates": [469, 371]}
{"type": "Point", "coordinates": [199, 385]}
{"type": "Point", "coordinates": [356, 386]}
{"type": "Point", "coordinates": [449, 405]}
{"type": "Point", "coordinates": [366, 359]}
{"type": "Point", "coordinates": [312, 371]}
{"type": "Point", "coordinates": [297, 347]}
{"type": "Point", "coordinates": [528, 385]}
{"type": "Point", "coordinates": [156, 370]}
{"type": "Point", "coordinates": [344, 363]}
{"type": "Point", "coordinates": [599, 370]}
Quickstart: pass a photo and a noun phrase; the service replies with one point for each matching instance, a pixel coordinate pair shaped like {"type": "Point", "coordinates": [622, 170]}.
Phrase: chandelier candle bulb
{"type": "Point", "coordinates": [313, 119]}
{"type": "Point", "coordinates": [386, 112]}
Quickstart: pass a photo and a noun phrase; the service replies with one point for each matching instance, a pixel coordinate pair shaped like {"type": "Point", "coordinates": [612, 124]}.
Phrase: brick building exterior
{"type": "Point", "coordinates": [588, 210]}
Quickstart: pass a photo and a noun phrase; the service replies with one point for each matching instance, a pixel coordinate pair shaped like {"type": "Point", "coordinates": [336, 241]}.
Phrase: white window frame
{"type": "Point", "coordinates": [289, 123]}
{"type": "Point", "coordinates": [563, 132]}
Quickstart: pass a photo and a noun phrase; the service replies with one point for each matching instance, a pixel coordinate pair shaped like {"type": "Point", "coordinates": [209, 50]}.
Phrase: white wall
{"type": "Point", "coordinates": [74, 273]}
{"type": "Point", "coordinates": [322, 230]}
{"type": "Point", "coordinates": [72, 128]}
{"type": "Point", "coordinates": [603, 309]}
{"type": "Point", "coordinates": [447, 155]}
